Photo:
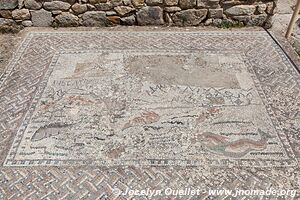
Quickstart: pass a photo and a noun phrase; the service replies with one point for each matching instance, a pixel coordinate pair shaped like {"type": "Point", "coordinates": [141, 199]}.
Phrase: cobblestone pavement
{"type": "Point", "coordinates": [69, 133]}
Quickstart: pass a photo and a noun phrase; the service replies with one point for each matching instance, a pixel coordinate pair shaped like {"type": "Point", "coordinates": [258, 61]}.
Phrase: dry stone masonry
{"type": "Point", "coordinates": [15, 14]}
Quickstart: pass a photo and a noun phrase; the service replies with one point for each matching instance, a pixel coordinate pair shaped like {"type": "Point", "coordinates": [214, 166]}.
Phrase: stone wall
{"type": "Point", "coordinates": [42, 13]}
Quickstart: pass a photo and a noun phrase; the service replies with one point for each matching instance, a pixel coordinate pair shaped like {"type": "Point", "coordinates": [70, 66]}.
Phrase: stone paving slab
{"type": "Point", "coordinates": [84, 113]}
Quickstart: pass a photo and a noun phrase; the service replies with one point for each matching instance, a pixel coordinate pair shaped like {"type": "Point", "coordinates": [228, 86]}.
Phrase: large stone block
{"type": "Point", "coordinates": [216, 13]}
{"type": "Point", "coordinates": [258, 20]}
{"type": "Point", "coordinates": [150, 16]}
{"type": "Point", "coordinates": [32, 4]}
{"type": "Point", "coordinates": [5, 14]}
{"type": "Point", "coordinates": [138, 3]}
{"type": "Point", "coordinates": [115, 3]}
{"type": "Point", "coordinates": [123, 10]}
{"type": "Point", "coordinates": [79, 8]}
{"type": "Point", "coordinates": [241, 10]}
{"type": "Point", "coordinates": [212, 4]}
{"type": "Point", "coordinates": [41, 18]}
{"type": "Point", "coordinates": [186, 4]}
{"type": "Point", "coordinates": [94, 18]}
{"type": "Point", "coordinates": [154, 2]}
{"type": "Point", "coordinates": [171, 2]}
{"type": "Point", "coordinates": [172, 9]}
{"type": "Point", "coordinates": [8, 26]}
{"type": "Point", "coordinates": [191, 17]}
{"type": "Point", "coordinates": [21, 14]}
{"type": "Point", "coordinates": [57, 5]}
{"type": "Point", "coordinates": [66, 19]}
{"type": "Point", "coordinates": [8, 4]}
{"type": "Point", "coordinates": [97, 1]}
{"type": "Point", "coordinates": [27, 23]}
{"type": "Point", "coordinates": [130, 20]}
{"type": "Point", "coordinates": [104, 6]}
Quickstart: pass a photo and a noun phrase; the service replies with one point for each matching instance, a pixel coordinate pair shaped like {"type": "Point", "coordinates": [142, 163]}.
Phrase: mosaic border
{"type": "Point", "coordinates": [156, 162]}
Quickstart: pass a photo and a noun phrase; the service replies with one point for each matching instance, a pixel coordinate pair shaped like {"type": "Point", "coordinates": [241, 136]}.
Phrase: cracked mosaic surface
{"type": "Point", "coordinates": [156, 99]}
{"type": "Point", "coordinates": [126, 108]}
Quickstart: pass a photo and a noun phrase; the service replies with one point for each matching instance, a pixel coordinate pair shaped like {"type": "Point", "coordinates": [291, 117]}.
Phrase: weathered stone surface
{"type": "Point", "coordinates": [191, 17]}
{"type": "Point", "coordinates": [114, 19]}
{"type": "Point", "coordinates": [208, 4]}
{"type": "Point", "coordinates": [241, 10]}
{"type": "Point", "coordinates": [22, 14]}
{"type": "Point", "coordinates": [94, 18]}
{"type": "Point", "coordinates": [171, 2]}
{"type": "Point", "coordinates": [130, 20]}
{"type": "Point", "coordinates": [261, 8]}
{"type": "Point", "coordinates": [216, 13]}
{"type": "Point", "coordinates": [218, 22]}
{"type": "Point", "coordinates": [27, 23]}
{"type": "Point", "coordinates": [97, 1]}
{"type": "Point", "coordinates": [111, 13]}
{"type": "Point", "coordinates": [138, 3]}
{"type": "Point", "coordinates": [57, 5]}
{"type": "Point", "coordinates": [168, 19]}
{"type": "Point", "coordinates": [68, 1]}
{"type": "Point", "coordinates": [271, 8]}
{"type": "Point", "coordinates": [5, 14]}
{"type": "Point", "coordinates": [127, 2]}
{"type": "Point", "coordinates": [172, 9]}
{"type": "Point", "coordinates": [245, 18]}
{"type": "Point", "coordinates": [104, 6]}
{"type": "Point", "coordinates": [202, 4]}
{"type": "Point", "coordinates": [147, 12]}
{"type": "Point", "coordinates": [32, 4]}
{"type": "Point", "coordinates": [123, 10]}
{"type": "Point", "coordinates": [115, 3]}
{"type": "Point", "coordinates": [66, 19]}
{"type": "Point", "coordinates": [208, 22]}
{"type": "Point", "coordinates": [91, 7]}
{"type": "Point", "coordinates": [150, 16]}
{"type": "Point", "coordinates": [79, 8]}
{"type": "Point", "coordinates": [257, 20]}
{"type": "Point", "coordinates": [41, 18]}
{"type": "Point", "coordinates": [56, 12]}
{"type": "Point", "coordinates": [154, 2]}
{"type": "Point", "coordinates": [8, 4]}
{"type": "Point", "coordinates": [8, 26]}
{"type": "Point", "coordinates": [186, 4]}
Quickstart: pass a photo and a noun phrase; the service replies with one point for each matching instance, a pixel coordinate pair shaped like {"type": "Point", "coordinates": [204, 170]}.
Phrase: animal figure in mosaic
{"type": "Point", "coordinates": [50, 130]}
{"type": "Point", "coordinates": [237, 148]}
{"type": "Point", "coordinates": [145, 118]}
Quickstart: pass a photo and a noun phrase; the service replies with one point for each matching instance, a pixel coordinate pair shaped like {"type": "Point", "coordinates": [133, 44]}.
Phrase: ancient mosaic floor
{"type": "Point", "coordinates": [86, 113]}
